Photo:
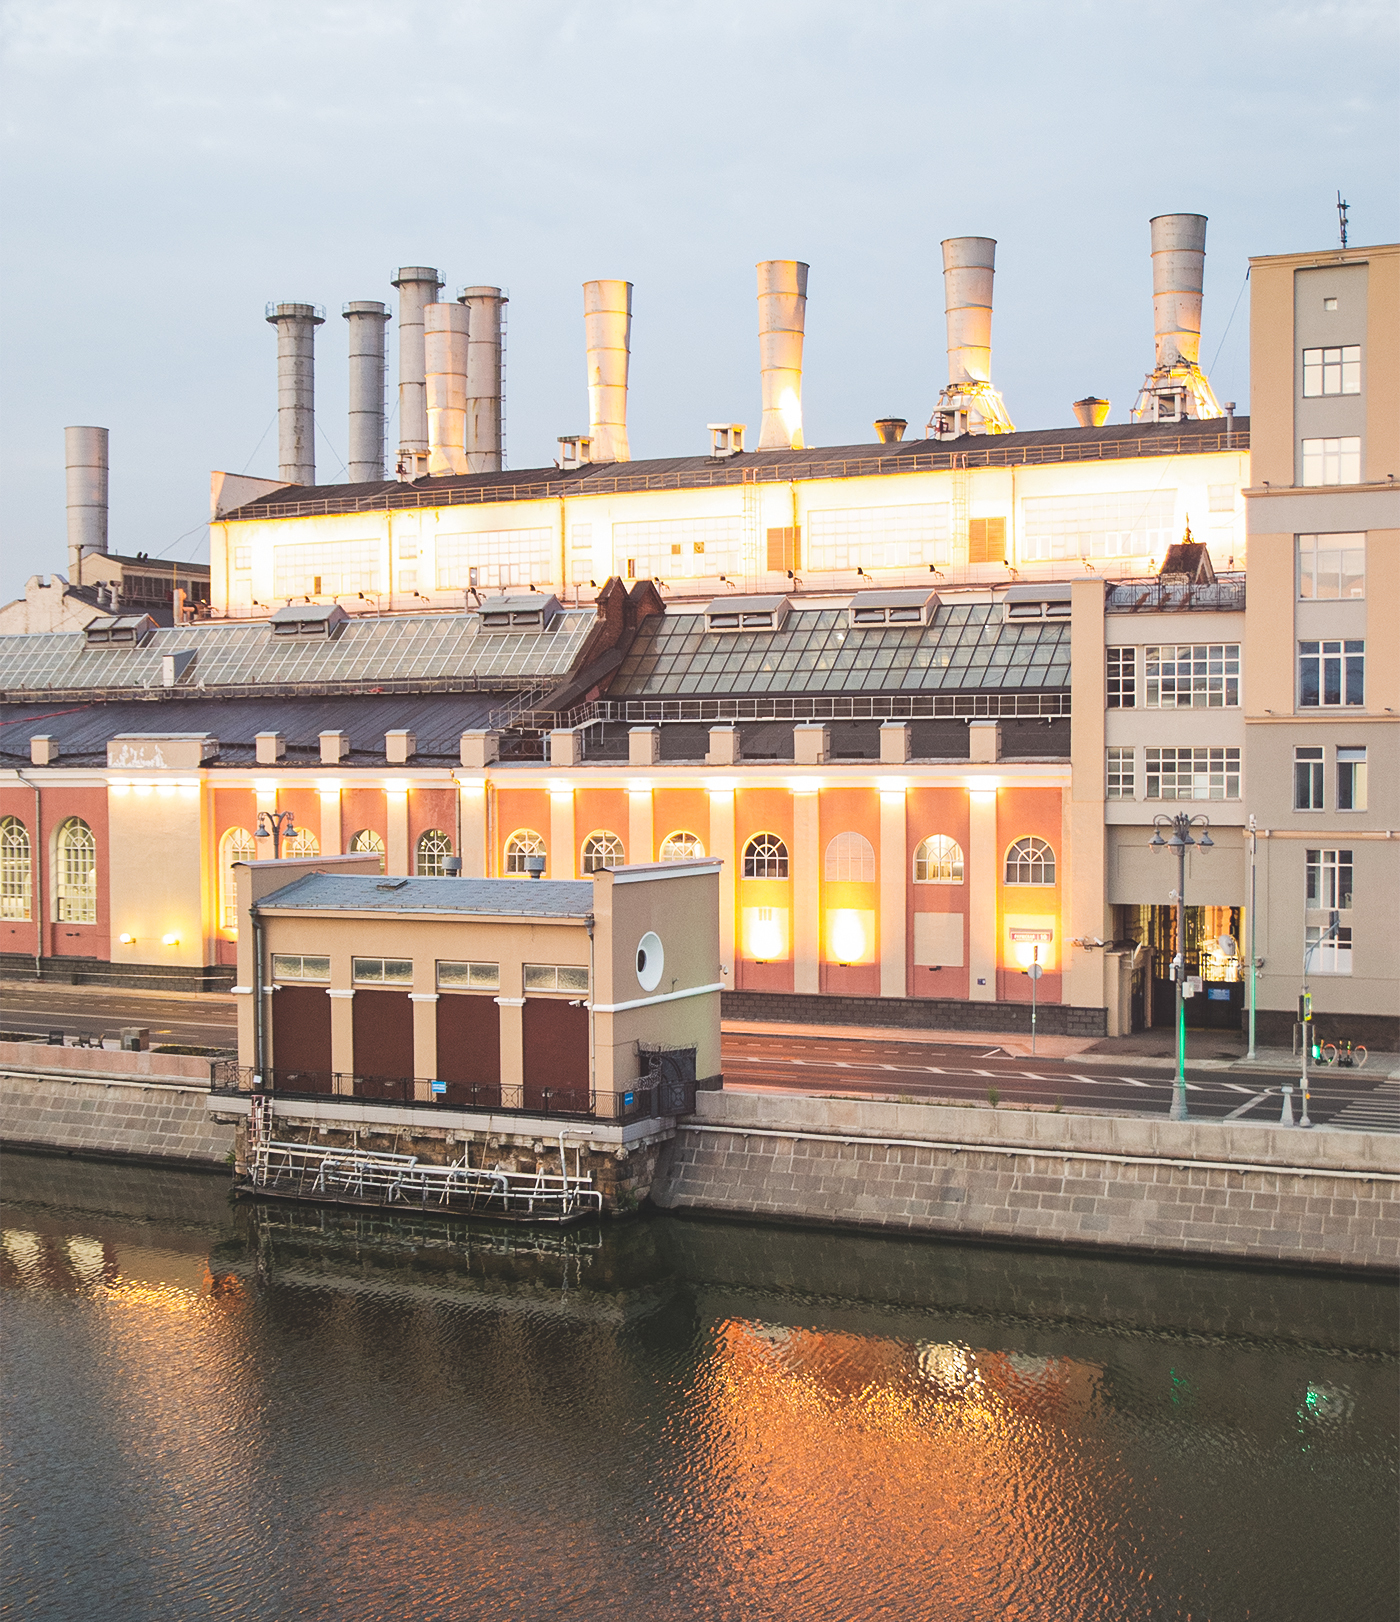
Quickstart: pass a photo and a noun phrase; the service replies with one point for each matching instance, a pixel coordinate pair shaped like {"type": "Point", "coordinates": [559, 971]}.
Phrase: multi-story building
{"type": "Point", "coordinates": [1322, 711]}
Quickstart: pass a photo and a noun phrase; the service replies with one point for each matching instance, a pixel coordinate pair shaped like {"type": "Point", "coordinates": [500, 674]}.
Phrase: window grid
{"type": "Point", "coordinates": [396, 971]}
{"type": "Point", "coordinates": [1030, 861]}
{"type": "Point", "coordinates": [1122, 678]}
{"type": "Point", "coordinates": [519, 848]}
{"type": "Point", "coordinates": [16, 871]}
{"type": "Point", "coordinates": [1332, 371]}
{"type": "Point", "coordinates": [1116, 524]}
{"type": "Point", "coordinates": [765, 857]}
{"type": "Point", "coordinates": [1205, 675]}
{"type": "Point", "coordinates": [302, 843]}
{"type": "Point", "coordinates": [367, 843]}
{"type": "Point", "coordinates": [651, 546]}
{"type": "Point", "coordinates": [1308, 780]}
{"type": "Point", "coordinates": [325, 568]}
{"type": "Point", "coordinates": [1332, 956]}
{"type": "Point", "coordinates": [291, 966]}
{"type": "Point", "coordinates": [878, 537]}
{"type": "Point", "coordinates": [1122, 774]}
{"type": "Point", "coordinates": [580, 553]}
{"type": "Point", "coordinates": [500, 557]}
{"type": "Point", "coordinates": [602, 850]}
{"type": "Point", "coordinates": [469, 976]}
{"type": "Point", "coordinates": [1193, 774]}
{"type": "Point", "coordinates": [938, 860]}
{"type": "Point", "coordinates": [434, 847]}
{"type": "Point", "coordinates": [680, 847]}
{"type": "Point", "coordinates": [850, 859]}
{"type": "Point", "coordinates": [555, 977]}
{"type": "Point", "coordinates": [1331, 567]}
{"type": "Point", "coordinates": [237, 845]}
{"type": "Point", "coordinates": [1331, 673]}
{"type": "Point", "coordinates": [77, 873]}
{"type": "Point", "coordinates": [1329, 881]}
{"type": "Point", "coordinates": [1332, 461]}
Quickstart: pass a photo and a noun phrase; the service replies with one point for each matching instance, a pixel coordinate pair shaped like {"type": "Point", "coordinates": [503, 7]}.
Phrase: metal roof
{"type": "Point", "coordinates": [371, 652]}
{"type": "Point", "coordinates": [493, 898]}
{"type": "Point", "coordinates": [1048, 445]}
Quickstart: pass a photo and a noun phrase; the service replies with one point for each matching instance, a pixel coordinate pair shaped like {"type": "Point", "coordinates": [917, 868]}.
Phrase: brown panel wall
{"type": "Point", "coordinates": [301, 1037]}
{"type": "Point", "coordinates": [383, 1030]}
{"type": "Point", "coordinates": [556, 1054]}
{"type": "Point", "coordinates": [469, 1049]}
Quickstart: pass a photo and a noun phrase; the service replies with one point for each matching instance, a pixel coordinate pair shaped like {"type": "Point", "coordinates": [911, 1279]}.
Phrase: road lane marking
{"type": "Point", "coordinates": [1248, 1105]}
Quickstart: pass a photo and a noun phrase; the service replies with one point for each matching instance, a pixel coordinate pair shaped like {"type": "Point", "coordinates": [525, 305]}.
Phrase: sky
{"type": "Point", "coordinates": [168, 169]}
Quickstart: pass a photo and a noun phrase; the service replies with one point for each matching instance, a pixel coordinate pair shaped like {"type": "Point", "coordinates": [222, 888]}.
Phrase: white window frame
{"type": "Point", "coordinates": [939, 860]}
{"type": "Point", "coordinates": [1120, 774]}
{"type": "Point", "coordinates": [602, 849]}
{"type": "Point", "coordinates": [1329, 880]}
{"type": "Point", "coordinates": [1332, 460]}
{"type": "Point", "coordinates": [1309, 758]}
{"type": "Point", "coordinates": [1329, 564]}
{"type": "Point", "coordinates": [1030, 855]}
{"type": "Point", "coordinates": [1189, 772]}
{"type": "Point", "coordinates": [850, 859]}
{"type": "Point", "coordinates": [1192, 676]}
{"type": "Point", "coordinates": [436, 846]}
{"type": "Point", "coordinates": [1351, 772]}
{"type": "Point", "coordinates": [1333, 655]}
{"type": "Point", "coordinates": [1121, 665]}
{"type": "Point", "coordinates": [1333, 956]}
{"type": "Point", "coordinates": [1333, 370]}
{"type": "Point", "coordinates": [519, 847]}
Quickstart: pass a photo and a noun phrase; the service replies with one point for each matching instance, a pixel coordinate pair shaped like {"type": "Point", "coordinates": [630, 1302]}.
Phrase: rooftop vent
{"type": "Point", "coordinates": [309, 619]}
{"type": "Point", "coordinates": [747, 614]}
{"type": "Point", "coordinates": [530, 611]}
{"type": "Point", "coordinates": [877, 608]}
{"type": "Point", "coordinates": [174, 667]}
{"type": "Point", "coordinates": [726, 438]}
{"type": "Point", "coordinates": [1036, 603]}
{"type": "Point", "coordinates": [890, 429]}
{"type": "Point", "coordinates": [120, 630]}
{"type": "Point", "coordinates": [575, 450]}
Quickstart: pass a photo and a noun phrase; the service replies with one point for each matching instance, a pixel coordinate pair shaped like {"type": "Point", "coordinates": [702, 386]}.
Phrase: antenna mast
{"type": "Point", "coordinates": [1342, 208]}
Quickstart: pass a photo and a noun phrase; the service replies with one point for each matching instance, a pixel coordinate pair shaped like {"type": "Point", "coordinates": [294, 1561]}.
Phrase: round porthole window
{"type": "Point", "coordinates": [651, 959]}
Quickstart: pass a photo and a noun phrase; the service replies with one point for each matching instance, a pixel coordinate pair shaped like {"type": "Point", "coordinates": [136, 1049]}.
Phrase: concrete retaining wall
{"type": "Point", "coordinates": [152, 1119]}
{"type": "Point", "coordinates": [913, 1013]}
{"type": "Point", "coordinates": [1260, 1194]}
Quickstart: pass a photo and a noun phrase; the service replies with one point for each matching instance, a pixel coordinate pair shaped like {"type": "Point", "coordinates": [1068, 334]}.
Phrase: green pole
{"type": "Point", "coordinates": [1178, 1109]}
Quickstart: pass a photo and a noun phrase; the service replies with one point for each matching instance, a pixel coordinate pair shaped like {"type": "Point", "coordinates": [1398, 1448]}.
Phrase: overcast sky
{"type": "Point", "coordinates": [169, 168]}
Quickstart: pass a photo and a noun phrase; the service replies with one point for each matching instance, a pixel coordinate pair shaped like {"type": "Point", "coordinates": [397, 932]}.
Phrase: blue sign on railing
{"type": "Point", "coordinates": [627, 1100]}
{"type": "Point", "coordinates": [439, 1087]}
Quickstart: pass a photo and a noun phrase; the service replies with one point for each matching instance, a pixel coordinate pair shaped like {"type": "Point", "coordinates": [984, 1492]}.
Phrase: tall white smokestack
{"type": "Point", "coordinates": [445, 356]}
{"type": "Point", "coordinates": [484, 383]}
{"type": "Point", "coordinates": [367, 320]}
{"type": "Point", "coordinates": [607, 325]}
{"type": "Point", "coordinates": [782, 316]}
{"type": "Point", "coordinates": [85, 457]}
{"type": "Point", "coordinates": [296, 390]}
{"type": "Point", "coordinates": [418, 287]}
{"type": "Point", "coordinates": [1176, 387]}
{"type": "Point", "coordinates": [969, 405]}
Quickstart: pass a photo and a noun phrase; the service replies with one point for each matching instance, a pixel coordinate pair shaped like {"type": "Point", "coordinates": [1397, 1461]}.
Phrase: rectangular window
{"type": "Point", "coordinates": [388, 971]}
{"type": "Point", "coordinates": [1222, 497]}
{"type": "Point", "coordinates": [986, 540]}
{"type": "Point", "coordinates": [580, 553]}
{"type": "Point", "coordinates": [647, 546]}
{"type": "Point", "coordinates": [1205, 676]}
{"type": "Point", "coordinates": [1331, 567]}
{"type": "Point", "coordinates": [325, 568]}
{"type": "Point", "coordinates": [1330, 956]}
{"type": "Point", "coordinates": [408, 549]}
{"type": "Point", "coordinates": [300, 968]}
{"type": "Point", "coordinates": [877, 537]}
{"type": "Point", "coordinates": [243, 557]}
{"type": "Point", "coordinates": [1331, 673]}
{"type": "Point", "coordinates": [469, 976]}
{"type": "Point", "coordinates": [1332, 461]}
{"type": "Point", "coordinates": [496, 557]}
{"type": "Point", "coordinates": [784, 549]}
{"type": "Point", "coordinates": [555, 977]}
{"type": "Point", "coordinates": [1329, 881]}
{"type": "Point", "coordinates": [1116, 524]}
{"type": "Point", "coordinates": [1121, 773]}
{"type": "Point", "coordinates": [1307, 780]}
{"type": "Point", "coordinates": [1122, 678]}
{"type": "Point", "coordinates": [1193, 774]}
{"type": "Point", "coordinates": [408, 580]}
{"type": "Point", "coordinates": [1351, 779]}
{"type": "Point", "coordinates": [1332, 371]}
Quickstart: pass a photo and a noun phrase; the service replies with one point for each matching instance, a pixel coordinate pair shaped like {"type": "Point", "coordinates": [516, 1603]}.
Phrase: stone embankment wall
{"type": "Point", "coordinates": [138, 1106]}
{"type": "Point", "coordinates": [1258, 1194]}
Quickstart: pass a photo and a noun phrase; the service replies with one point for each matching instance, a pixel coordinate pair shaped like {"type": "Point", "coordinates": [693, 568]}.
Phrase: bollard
{"type": "Point", "coordinates": [1286, 1118]}
{"type": "Point", "coordinates": [135, 1038]}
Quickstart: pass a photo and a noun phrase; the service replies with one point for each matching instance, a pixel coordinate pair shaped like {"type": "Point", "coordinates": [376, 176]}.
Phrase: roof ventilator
{"type": "Point", "coordinates": [1036, 603]}
{"type": "Point", "coordinates": [122, 630]}
{"type": "Point", "coordinates": [527, 612]}
{"type": "Point", "coordinates": [871, 609]}
{"type": "Point", "coordinates": [747, 614]}
{"type": "Point", "coordinates": [310, 619]}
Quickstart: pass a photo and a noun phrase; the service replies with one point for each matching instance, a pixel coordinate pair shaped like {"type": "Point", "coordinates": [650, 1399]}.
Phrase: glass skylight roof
{"type": "Point", "coordinates": [967, 648]}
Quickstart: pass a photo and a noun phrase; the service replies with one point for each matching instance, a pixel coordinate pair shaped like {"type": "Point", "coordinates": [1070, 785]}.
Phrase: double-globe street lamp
{"type": "Point", "coordinates": [276, 826]}
{"type": "Point", "coordinates": [1180, 841]}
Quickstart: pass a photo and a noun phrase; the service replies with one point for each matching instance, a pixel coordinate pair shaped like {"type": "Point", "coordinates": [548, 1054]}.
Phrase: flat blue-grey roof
{"type": "Point", "coordinates": [492, 898]}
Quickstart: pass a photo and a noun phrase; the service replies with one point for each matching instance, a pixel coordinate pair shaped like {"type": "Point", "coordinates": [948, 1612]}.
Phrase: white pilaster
{"type": "Point", "coordinates": [894, 891]}
{"type": "Point", "coordinates": [982, 895]}
{"type": "Point", "coordinates": [806, 891]}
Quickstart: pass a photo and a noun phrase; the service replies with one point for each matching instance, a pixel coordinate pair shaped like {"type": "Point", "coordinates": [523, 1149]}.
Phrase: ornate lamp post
{"type": "Point", "coordinates": [1180, 842]}
{"type": "Point", "coordinates": [276, 826]}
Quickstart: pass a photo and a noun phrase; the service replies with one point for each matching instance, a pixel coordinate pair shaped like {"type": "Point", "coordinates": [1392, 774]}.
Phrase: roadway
{"type": "Point", "coordinates": [888, 1068]}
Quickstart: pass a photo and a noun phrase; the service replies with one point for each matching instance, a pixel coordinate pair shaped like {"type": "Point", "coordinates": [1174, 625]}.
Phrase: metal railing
{"type": "Point", "coordinates": [1157, 596]}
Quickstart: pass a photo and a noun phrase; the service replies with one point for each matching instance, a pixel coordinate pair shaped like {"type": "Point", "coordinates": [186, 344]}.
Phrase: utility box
{"type": "Point", "coordinates": [136, 1038]}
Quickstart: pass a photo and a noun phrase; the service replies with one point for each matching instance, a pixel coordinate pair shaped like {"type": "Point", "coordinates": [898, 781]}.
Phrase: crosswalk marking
{"type": "Point", "coordinates": [1376, 1111]}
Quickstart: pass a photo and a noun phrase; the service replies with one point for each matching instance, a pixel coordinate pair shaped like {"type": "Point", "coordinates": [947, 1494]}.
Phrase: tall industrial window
{"type": "Point", "coordinates": [1331, 955]}
{"type": "Point", "coordinates": [1351, 779]}
{"type": "Point", "coordinates": [1204, 676]}
{"type": "Point", "coordinates": [434, 847]}
{"type": "Point", "coordinates": [1331, 673]}
{"type": "Point", "coordinates": [16, 878]}
{"type": "Point", "coordinates": [325, 568]}
{"type": "Point", "coordinates": [1329, 881]}
{"type": "Point", "coordinates": [784, 549]}
{"type": "Point", "coordinates": [1121, 778]}
{"type": "Point", "coordinates": [1126, 523]}
{"type": "Point", "coordinates": [878, 537]}
{"type": "Point", "coordinates": [850, 859]}
{"type": "Point", "coordinates": [520, 847]}
{"type": "Point", "coordinates": [76, 885]}
{"type": "Point", "coordinates": [680, 847]}
{"type": "Point", "coordinates": [580, 553]}
{"type": "Point", "coordinates": [237, 845]}
{"type": "Point", "coordinates": [986, 540]}
{"type": "Point", "coordinates": [938, 860]}
{"type": "Point", "coordinates": [1193, 774]}
{"type": "Point", "coordinates": [765, 857]}
{"type": "Point", "coordinates": [1030, 861]}
{"type": "Point", "coordinates": [1332, 371]}
{"type": "Point", "coordinates": [1331, 566]}
{"type": "Point", "coordinates": [602, 849]}
{"type": "Point", "coordinates": [1332, 461]}
{"type": "Point", "coordinates": [707, 546]}
{"type": "Point", "coordinates": [496, 557]}
{"type": "Point", "coordinates": [367, 843]}
{"type": "Point", "coordinates": [1307, 779]}
{"type": "Point", "coordinates": [1122, 678]}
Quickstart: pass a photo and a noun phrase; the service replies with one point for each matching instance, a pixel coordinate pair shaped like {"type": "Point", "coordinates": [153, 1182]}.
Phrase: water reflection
{"type": "Point", "coordinates": [274, 1413]}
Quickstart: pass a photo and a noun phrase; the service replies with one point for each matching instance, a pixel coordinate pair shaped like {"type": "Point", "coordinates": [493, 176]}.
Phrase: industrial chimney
{"type": "Point", "coordinates": [969, 405]}
{"type": "Point", "coordinates": [367, 320]}
{"type": "Point", "coordinates": [445, 359]}
{"type": "Point", "coordinates": [782, 317]}
{"type": "Point", "coordinates": [296, 390]}
{"type": "Point", "coordinates": [607, 325]}
{"type": "Point", "coordinates": [1176, 387]}
{"type": "Point", "coordinates": [85, 465]}
{"type": "Point", "coordinates": [484, 382]}
{"type": "Point", "coordinates": [418, 287]}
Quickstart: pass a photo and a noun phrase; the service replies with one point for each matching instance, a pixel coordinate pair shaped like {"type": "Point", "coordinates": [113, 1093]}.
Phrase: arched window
{"type": "Point", "coordinates": [237, 845]}
{"type": "Point", "coordinates": [1030, 861]}
{"type": "Point", "coordinates": [850, 859]}
{"type": "Point", "coordinates": [522, 845]}
{"type": "Point", "coordinates": [367, 843]}
{"type": "Point", "coordinates": [15, 872]}
{"type": "Point", "coordinates": [75, 886]}
{"type": "Point", "coordinates": [434, 847]}
{"type": "Point", "coordinates": [602, 850]}
{"type": "Point", "coordinates": [681, 847]}
{"type": "Point", "coordinates": [938, 860]}
{"type": "Point", "coordinates": [765, 857]}
{"type": "Point", "coordinates": [302, 843]}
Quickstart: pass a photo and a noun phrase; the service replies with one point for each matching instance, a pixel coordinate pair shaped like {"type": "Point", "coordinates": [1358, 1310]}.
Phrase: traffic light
{"type": "Point", "coordinates": [1305, 1008]}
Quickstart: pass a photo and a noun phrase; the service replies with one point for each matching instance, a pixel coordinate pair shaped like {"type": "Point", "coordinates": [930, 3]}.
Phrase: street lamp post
{"type": "Point", "coordinates": [1181, 841]}
{"type": "Point", "coordinates": [276, 826]}
{"type": "Point", "coordinates": [1306, 1001]}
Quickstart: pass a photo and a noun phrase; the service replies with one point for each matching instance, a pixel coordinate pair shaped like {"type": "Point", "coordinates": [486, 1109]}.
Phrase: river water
{"type": "Point", "coordinates": [263, 1413]}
